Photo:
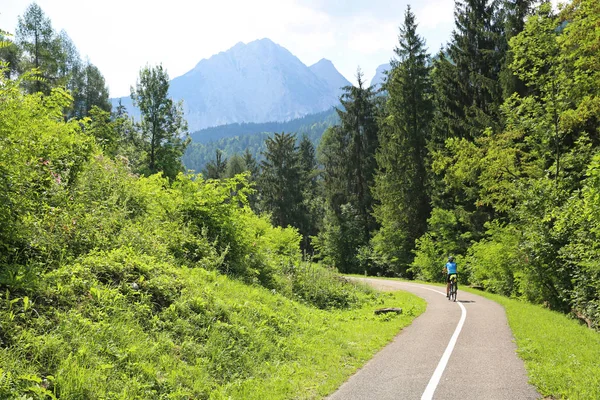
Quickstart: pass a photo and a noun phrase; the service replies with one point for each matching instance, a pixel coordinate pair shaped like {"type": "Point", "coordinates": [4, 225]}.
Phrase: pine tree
{"type": "Point", "coordinates": [347, 152]}
{"type": "Point", "coordinates": [216, 169]}
{"type": "Point", "coordinates": [467, 73]}
{"type": "Point", "coordinates": [281, 180]}
{"type": "Point", "coordinates": [400, 183]}
{"type": "Point", "coordinates": [41, 49]}
{"type": "Point", "coordinates": [162, 125]}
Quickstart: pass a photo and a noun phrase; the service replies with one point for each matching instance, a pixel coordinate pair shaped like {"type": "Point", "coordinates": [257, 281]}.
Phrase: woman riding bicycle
{"type": "Point", "coordinates": [449, 269]}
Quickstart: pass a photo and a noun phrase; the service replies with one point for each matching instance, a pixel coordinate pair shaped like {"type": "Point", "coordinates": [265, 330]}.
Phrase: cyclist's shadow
{"type": "Point", "coordinates": [465, 301]}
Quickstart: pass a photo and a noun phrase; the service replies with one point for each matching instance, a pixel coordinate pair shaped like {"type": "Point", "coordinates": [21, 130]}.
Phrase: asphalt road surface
{"type": "Point", "coordinates": [461, 350]}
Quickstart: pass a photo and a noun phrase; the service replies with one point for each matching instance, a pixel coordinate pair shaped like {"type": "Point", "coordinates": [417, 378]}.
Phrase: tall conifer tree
{"type": "Point", "coordinates": [466, 75]}
{"type": "Point", "coordinates": [348, 156]}
{"type": "Point", "coordinates": [400, 183]}
{"type": "Point", "coordinates": [280, 180]}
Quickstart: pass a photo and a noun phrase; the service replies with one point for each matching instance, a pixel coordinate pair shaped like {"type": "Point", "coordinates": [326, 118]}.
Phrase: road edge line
{"type": "Point", "coordinates": [437, 374]}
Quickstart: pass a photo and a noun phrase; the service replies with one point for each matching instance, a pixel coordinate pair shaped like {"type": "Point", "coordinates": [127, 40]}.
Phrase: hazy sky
{"type": "Point", "coordinates": [121, 36]}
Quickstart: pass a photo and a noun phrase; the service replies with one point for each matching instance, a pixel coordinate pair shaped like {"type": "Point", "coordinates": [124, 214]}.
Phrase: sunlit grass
{"type": "Point", "coordinates": [320, 349]}
{"type": "Point", "coordinates": [219, 338]}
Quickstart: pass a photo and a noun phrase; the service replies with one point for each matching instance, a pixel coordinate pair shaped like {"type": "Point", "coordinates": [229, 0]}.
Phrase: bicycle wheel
{"type": "Point", "coordinates": [453, 289]}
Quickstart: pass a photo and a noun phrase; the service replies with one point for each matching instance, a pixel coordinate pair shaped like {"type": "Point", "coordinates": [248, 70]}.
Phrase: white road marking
{"type": "Point", "coordinates": [437, 374]}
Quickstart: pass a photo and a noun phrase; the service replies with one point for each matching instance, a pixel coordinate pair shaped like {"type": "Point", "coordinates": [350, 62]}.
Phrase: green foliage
{"type": "Point", "coordinates": [347, 153]}
{"type": "Point", "coordinates": [499, 264]}
{"type": "Point", "coordinates": [521, 199]}
{"type": "Point", "coordinates": [125, 287]}
{"type": "Point", "coordinates": [163, 129]}
{"type": "Point", "coordinates": [38, 170]}
{"type": "Point", "coordinates": [441, 241]}
{"type": "Point", "coordinates": [9, 55]}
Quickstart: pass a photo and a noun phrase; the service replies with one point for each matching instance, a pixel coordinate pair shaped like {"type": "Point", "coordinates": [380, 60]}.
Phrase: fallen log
{"type": "Point", "coordinates": [388, 310]}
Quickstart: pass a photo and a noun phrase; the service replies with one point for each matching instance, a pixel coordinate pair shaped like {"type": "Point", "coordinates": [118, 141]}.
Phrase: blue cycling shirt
{"type": "Point", "coordinates": [451, 267]}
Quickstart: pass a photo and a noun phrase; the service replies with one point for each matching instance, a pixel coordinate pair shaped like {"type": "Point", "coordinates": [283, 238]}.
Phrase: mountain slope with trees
{"type": "Point", "coordinates": [232, 139]}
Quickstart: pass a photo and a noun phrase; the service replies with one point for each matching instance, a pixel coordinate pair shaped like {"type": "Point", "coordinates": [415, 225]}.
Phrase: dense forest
{"type": "Point", "coordinates": [486, 150]}
{"type": "Point", "coordinates": [299, 125]}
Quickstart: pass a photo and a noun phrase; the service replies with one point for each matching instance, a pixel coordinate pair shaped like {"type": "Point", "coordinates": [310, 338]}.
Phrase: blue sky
{"type": "Point", "coordinates": [121, 36]}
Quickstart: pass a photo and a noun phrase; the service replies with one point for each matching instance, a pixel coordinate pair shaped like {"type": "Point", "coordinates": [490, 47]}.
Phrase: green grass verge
{"type": "Point", "coordinates": [213, 338]}
{"type": "Point", "coordinates": [320, 349]}
{"type": "Point", "coordinates": [561, 356]}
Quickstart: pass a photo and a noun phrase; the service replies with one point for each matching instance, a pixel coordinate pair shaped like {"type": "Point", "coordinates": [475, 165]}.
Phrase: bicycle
{"type": "Point", "coordinates": [453, 288]}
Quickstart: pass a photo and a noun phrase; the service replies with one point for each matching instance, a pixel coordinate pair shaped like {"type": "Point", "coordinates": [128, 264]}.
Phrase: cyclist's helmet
{"type": "Point", "coordinates": [451, 259]}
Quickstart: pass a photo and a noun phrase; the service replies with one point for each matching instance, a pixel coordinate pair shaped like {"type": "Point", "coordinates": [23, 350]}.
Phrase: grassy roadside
{"type": "Point", "coordinates": [321, 349]}
{"type": "Point", "coordinates": [213, 338]}
{"type": "Point", "coordinates": [561, 356]}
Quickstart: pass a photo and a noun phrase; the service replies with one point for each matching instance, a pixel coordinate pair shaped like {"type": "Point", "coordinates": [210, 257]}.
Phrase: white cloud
{"type": "Point", "coordinates": [431, 15]}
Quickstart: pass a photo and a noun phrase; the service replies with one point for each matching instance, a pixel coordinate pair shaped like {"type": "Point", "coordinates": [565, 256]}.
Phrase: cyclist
{"type": "Point", "coordinates": [449, 269]}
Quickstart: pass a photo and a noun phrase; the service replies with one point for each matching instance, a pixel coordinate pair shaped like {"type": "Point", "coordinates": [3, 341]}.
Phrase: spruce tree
{"type": "Point", "coordinates": [347, 152]}
{"type": "Point", "coordinates": [467, 72]}
{"type": "Point", "coordinates": [312, 204]}
{"type": "Point", "coordinates": [216, 169]}
{"type": "Point", "coordinates": [281, 180]}
{"type": "Point", "coordinates": [400, 183]}
{"type": "Point", "coordinates": [358, 122]}
{"type": "Point", "coordinates": [513, 14]}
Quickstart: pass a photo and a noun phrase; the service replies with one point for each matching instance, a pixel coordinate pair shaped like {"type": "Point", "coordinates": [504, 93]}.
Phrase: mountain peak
{"type": "Point", "coordinates": [257, 81]}
{"type": "Point", "coordinates": [322, 62]}
{"type": "Point", "coordinates": [327, 72]}
{"type": "Point", "coordinates": [264, 43]}
{"type": "Point", "coordinates": [380, 75]}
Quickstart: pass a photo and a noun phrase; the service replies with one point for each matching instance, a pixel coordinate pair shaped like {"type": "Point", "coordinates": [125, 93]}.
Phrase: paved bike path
{"type": "Point", "coordinates": [482, 365]}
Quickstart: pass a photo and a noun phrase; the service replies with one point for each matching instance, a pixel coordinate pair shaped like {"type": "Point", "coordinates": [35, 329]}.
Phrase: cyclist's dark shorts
{"type": "Point", "coordinates": [450, 275]}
